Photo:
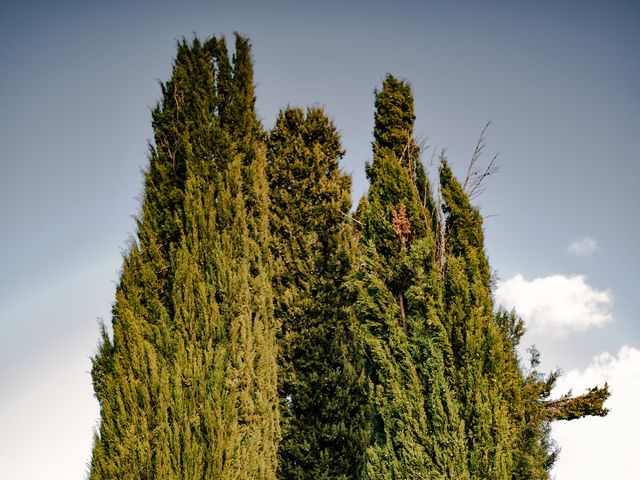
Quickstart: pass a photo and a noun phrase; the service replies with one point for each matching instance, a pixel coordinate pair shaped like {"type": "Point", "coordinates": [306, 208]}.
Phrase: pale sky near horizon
{"type": "Point", "coordinates": [559, 80]}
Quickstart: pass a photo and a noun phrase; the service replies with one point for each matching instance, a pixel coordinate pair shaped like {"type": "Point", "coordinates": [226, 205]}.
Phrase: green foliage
{"type": "Point", "coordinates": [258, 333]}
{"type": "Point", "coordinates": [506, 413]}
{"type": "Point", "coordinates": [484, 368]}
{"type": "Point", "coordinates": [399, 436]}
{"type": "Point", "coordinates": [571, 408]}
{"type": "Point", "coordinates": [187, 386]}
{"type": "Point", "coordinates": [416, 430]}
{"type": "Point", "coordinates": [320, 380]}
{"type": "Point", "coordinates": [394, 117]}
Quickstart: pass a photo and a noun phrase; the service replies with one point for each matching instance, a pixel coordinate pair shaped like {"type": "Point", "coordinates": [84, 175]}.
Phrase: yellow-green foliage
{"type": "Point", "coordinates": [187, 386]}
{"type": "Point", "coordinates": [261, 331]}
{"type": "Point", "coordinates": [416, 430]}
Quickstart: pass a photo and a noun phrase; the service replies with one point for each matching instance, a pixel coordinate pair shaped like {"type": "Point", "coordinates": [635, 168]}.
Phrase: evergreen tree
{"type": "Point", "coordinates": [321, 384]}
{"type": "Point", "coordinates": [187, 385]}
{"type": "Point", "coordinates": [416, 431]}
{"type": "Point", "coordinates": [505, 409]}
{"type": "Point", "coordinates": [475, 338]}
{"type": "Point", "coordinates": [255, 340]}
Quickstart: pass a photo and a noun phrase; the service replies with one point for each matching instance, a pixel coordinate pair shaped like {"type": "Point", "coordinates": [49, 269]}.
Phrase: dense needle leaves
{"type": "Point", "coordinates": [262, 330]}
{"type": "Point", "coordinates": [320, 381]}
{"type": "Point", "coordinates": [416, 428]}
{"type": "Point", "coordinates": [187, 386]}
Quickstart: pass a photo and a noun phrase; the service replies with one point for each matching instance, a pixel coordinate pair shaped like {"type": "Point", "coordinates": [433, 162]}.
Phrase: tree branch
{"type": "Point", "coordinates": [571, 408]}
{"type": "Point", "coordinates": [473, 184]}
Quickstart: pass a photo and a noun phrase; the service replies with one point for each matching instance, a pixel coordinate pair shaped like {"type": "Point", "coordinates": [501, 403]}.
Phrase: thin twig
{"type": "Point", "coordinates": [474, 181]}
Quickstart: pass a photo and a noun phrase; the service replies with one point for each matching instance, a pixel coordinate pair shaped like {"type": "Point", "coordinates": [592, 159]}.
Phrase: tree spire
{"type": "Point", "coordinates": [321, 388]}
{"type": "Point", "coordinates": [187, 385]}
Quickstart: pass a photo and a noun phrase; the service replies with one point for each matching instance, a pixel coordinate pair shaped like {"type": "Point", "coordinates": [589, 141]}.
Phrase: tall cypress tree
{"type": "Point", "coordinates": [472, 331]}
{"type": "Point", "coordinates": [321, 385]}
{"type": "Point", "coordinates": [506, 410]}
{"type": "Point", "coordinates": [187, 385]}
{"type": "Point", "coordinates": [416, 431]}
{"type": "Point", "coordinates": [386, 357]}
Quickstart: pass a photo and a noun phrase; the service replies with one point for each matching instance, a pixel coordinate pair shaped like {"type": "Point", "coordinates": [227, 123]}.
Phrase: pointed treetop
{"type": "Point", "coordinates": [244, 116]}
{"type": "Point", "coordinates": [221, 56]}
{"type": "Point", "coordinates": [463, 220]}
{"type": "Point", "coordinates": [394, 117]}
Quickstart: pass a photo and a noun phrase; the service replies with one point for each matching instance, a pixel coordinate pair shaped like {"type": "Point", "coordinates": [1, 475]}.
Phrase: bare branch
{"type": "Point", "coordinates": [474, 182]}
{"type": "Point", "coordinates": [350, 217]}
{"type": "Point", "coordinates": [431, 162]}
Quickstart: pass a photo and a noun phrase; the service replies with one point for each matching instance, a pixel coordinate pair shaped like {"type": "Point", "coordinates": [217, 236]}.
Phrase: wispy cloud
{"type": "Point", "coordinates": [594, 447]}
{"type": "Point", "coordinates": [556, 304]}
{"type": "Point", "coordinates": [584, 247]}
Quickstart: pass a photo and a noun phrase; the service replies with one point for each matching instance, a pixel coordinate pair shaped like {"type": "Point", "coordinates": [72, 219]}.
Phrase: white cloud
{"type": "Point", "coordinates": [595, 447]}
{"type": "Point", "coordinates": [556, 304]}
{"type": "Point", "coordinates": [583, 247]}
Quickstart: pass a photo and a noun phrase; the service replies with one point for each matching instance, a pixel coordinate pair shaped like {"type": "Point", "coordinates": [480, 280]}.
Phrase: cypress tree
{"type": "Point", "coordinates": [187, 385]}
{"type": "Point", "coordinates": [416, 430]}
{"type": "Point", "coordinates": [320, 380]}
{"type": "Point", "coordinates": [506, 410]}
{"type": "Point", "coordinates": [381, 347]}
{"type": "Point", "coordinates": [479, 366]}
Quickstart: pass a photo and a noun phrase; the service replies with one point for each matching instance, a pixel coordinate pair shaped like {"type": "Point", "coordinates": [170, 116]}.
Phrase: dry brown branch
{"type": "Point", "coordinates": [403, 313]}
{"type": "Point", "coordinates": [165, 143]}
{"type": "Point", "coordinates": [401, 225]}
{"type": "Point", "coordinates": [350, 217]}
{"type": "Point", "coordinates": [474, 182]}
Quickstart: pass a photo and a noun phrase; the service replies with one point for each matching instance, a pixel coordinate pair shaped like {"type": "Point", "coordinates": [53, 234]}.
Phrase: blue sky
{"type": "Point", "coordinates": [559, 80]}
